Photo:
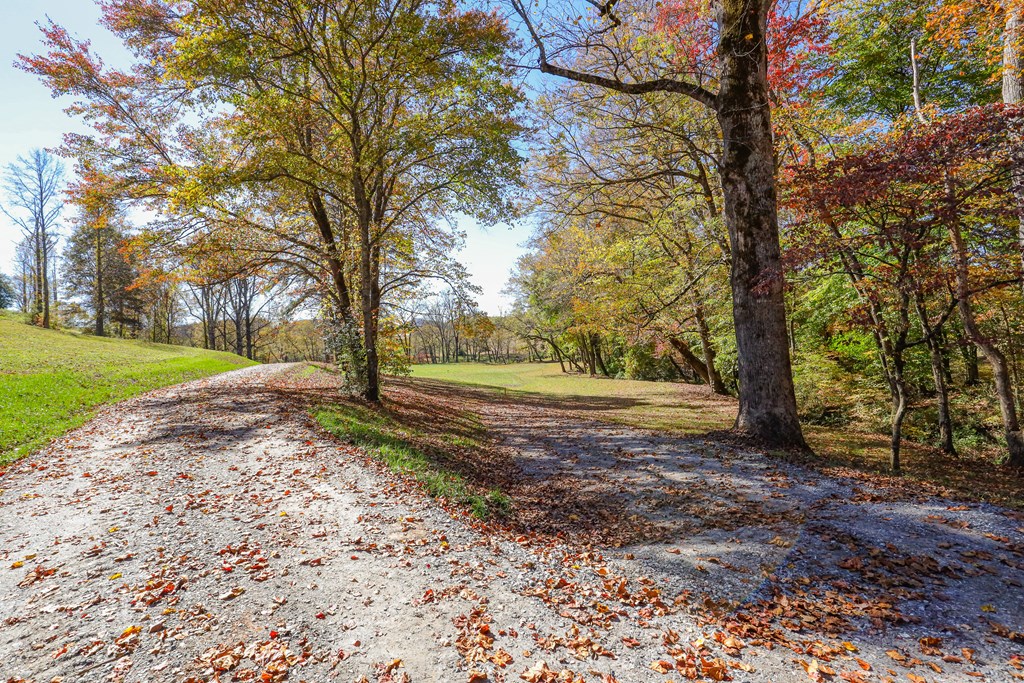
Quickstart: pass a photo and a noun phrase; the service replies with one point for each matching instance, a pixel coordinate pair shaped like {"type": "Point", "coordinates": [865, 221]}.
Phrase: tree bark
{"type": "Point", "coordinates": [708, 348]}
{"type": "Point", "coordinates": [100, 303]}
{"type": "Point", "coordinates": [591, 359]}
{"type": "Point", "coordinates": [767, 408]}
{"type": "Point", "coordinates": [1013, 92]}
{"type": "Point", "coordinates": [970, 354]}
{"type": "Point", "coordinates": [595, 343]}
{"type": "Point", "coordinates": [369, 298]}
{"type": "Point", "coordinates": [935, 355]}
{"type": "Point", "coordinates": [698, 366]}
{"type": "Point", "coordinates": [898, 414]}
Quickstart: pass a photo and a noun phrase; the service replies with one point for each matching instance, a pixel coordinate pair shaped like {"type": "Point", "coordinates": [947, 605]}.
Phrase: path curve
{"type": "Point", "coordinates": [209, 532]}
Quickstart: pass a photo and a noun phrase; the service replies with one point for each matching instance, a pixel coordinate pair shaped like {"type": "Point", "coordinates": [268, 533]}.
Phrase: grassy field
{"type": "Point", "coordinates": [52, 381]}
{"type": "Point", "coordinates": [684, 409]}
{"type": "Point", "coordinates": [654, 405]}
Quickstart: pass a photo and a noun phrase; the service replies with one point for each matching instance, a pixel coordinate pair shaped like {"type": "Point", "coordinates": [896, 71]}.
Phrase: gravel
{"type": "Point", "coordinates": [210, 531]}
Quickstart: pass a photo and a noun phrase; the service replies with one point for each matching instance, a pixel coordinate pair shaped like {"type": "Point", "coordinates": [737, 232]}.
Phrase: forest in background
{"type": "Point", "coordinates": [283, 182]}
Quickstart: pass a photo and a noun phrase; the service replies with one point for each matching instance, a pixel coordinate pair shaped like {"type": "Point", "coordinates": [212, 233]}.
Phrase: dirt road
{"type": "Point", "coordinates": [210, 532]}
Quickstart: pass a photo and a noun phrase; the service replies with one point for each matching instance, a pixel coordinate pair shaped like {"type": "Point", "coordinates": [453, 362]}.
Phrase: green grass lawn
{"type": "Point", "coordinates": [685, 409]}
{"type": "Point", "coordinates": [52, 381]}
{"type": "Point", "coordinates": [656, 405]}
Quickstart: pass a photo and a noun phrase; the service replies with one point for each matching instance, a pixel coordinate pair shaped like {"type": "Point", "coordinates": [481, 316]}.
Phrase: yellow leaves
{"type": "Point", "coordinates": [816, 670]}
{"type": "Point", "coordinates": [988, 608]}
{"type": "Point", "coordinates": [661, 666]}
{"type": "Point", "coordinates": [129, 638]}
{"type": "Point", "coordinates": [540, 672]}
{"type": "Point", "coordinates": [18, 565]}
{"type": "Point", "coordinates": [115, 576]}
{"type": "Point", "coordinates": [131, 630]}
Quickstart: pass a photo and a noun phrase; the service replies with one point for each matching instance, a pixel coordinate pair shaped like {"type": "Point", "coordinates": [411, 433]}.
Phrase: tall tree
{"type": "Point", "coordinates": [8, 294]}
{"type": "Point", "coordinates": [740, 100]}
{"type": "Point", "coordinates": [98, 272]}
{"type": "Point", "coordinates": [34, 187]}
{"type": "Point", "coordinates": [372, 123]}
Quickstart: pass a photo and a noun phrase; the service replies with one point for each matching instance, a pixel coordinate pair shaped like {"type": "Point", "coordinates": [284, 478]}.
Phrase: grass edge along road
{"type": "Point", "coordinates": [52, 382]}
{"type": "Point", "coordinates": [394, 445]}
{"type": "Point", "coordinates": [693, 410]}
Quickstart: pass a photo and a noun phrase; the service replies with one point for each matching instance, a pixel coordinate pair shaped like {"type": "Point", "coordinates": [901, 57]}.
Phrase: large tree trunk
{"type": "Point", "coordinates": [334, 255]}
{"type": "Point", "coordinates": [1013, 92]}
{"type": "Point", "coordinates": [370, 300]}
{"type": "Point", "coordinates": [767, 408]}
{"type": "Point", "coordinates": [372, 391]}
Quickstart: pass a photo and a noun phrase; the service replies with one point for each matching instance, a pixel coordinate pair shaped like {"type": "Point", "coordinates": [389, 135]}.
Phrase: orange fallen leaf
{"type": "Point", "coordinates": [661, 666]}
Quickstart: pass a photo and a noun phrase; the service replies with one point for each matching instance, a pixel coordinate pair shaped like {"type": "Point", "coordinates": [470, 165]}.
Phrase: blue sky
{"type": "Point", "coordinates": [30, 118]}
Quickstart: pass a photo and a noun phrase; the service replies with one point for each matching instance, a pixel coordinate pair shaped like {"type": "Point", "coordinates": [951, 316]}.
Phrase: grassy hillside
{"type": "Point", "coordinates": [51, 381]}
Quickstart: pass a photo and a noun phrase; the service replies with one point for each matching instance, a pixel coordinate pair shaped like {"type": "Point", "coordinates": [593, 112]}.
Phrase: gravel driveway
{"type": "Point", "coordinates": [209, 532]}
